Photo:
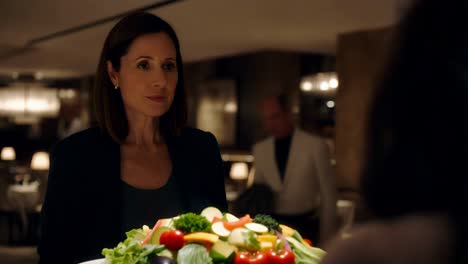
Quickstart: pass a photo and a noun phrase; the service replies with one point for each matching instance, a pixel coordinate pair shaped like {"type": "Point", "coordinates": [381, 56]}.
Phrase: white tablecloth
{"type": "Point", "coordinates": [24, 199]}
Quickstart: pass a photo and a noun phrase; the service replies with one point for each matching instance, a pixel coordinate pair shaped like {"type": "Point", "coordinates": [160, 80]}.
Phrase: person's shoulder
{"type": "Point", "coordinates": [190, 132]}
{"type": "Point", "coordinates": [414, 234]}
{"type": "Point", "coordinates": [367, 243]}
{"type": "Point", "coordinates": [194, 134]}
{"type": "Point", "coordinates": [197, 143]}
{"type": "Point", "coordinates": [305, 134]}
{"type": "Point", "coordinates": [262, 143]}
{"type": "Point", "coordinates": [194, 138]}
{"type": "Point", "coordinates": [308, 137]}
{"type": "Point", "coordinates": [83, 139]}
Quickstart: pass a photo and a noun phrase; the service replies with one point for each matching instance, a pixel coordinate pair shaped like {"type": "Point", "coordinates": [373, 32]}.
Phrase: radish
{"type": "Point", "coordinates": [211, 212]}
{"type": "Point", "coordinates": [219, 229]}
{"type": "Point", "coordinates": [237, 237]}
{"type": "Point", "coordinates": [231, 218]}
{"type": "Point", "coordinates": [257, 228]}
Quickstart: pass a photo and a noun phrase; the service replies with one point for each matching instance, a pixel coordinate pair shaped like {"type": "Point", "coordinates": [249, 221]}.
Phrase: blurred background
{"type": "Point", "coordinates": [325, 54]}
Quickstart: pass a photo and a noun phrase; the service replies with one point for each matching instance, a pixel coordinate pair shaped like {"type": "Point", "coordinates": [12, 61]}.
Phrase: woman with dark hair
{"type": "Point", "coordinates": [413, 181]}
{"type": "Point", "coordinates": [142, 163]}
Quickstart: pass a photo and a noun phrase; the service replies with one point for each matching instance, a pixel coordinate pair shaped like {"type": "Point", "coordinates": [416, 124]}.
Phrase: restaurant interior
{"type": "Point", "coordinates": [325, 54]}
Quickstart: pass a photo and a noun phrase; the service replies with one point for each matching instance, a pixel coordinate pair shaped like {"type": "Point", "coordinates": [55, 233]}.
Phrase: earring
{"type": "Point", "coordinates": [116, 87]}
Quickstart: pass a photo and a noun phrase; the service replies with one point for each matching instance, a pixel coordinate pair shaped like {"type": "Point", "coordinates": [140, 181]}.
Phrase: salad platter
{"type": "Point", "coordinates": [213, 237]}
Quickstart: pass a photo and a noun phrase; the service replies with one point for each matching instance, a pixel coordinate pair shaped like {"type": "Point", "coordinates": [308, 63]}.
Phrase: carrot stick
{"type": "Point", "coordinates": [242, 221]}
{"type": "Point", "coordinates": [150, 234]}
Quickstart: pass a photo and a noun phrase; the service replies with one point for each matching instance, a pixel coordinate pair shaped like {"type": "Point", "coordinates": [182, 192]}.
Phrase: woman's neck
{"type": "Point", "coordinates": [143, 131]}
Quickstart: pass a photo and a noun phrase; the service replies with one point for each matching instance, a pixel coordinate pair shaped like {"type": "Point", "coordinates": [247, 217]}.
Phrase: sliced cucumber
{"type": "Point", "coordinates": [211, 212]}
{"type": "Point", "coordinates": [230, 218]}
{"type": "Point", "coordinates": [222, 252]}
{"type": "Point", "coordinates": [167, 222]}
{"type": "Point", "coordinates": [157, 234]}
{"type": "Point", "coordinates": [237, 237]}
{"type": "Point", "coordinates": [219, 229]}
{"type": "Point", "coordinates": [257, 228]}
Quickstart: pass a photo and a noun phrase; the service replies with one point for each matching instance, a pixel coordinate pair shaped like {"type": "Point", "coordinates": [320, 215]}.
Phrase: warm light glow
{"type": "Point", "coordinates": [251, 178]}
{"type": "Point", "coordinates": [39, 76]}
{"type": "Point", "coordinates": [344, 203]}
{"type": "Point", "coordinates": [67, 93]}
{"type": "Point", "coordinates": [306, 86]}
{"type": "Point", "coordinates": [324, 86]}
{"type": "Point", "coordinates": [230, 107]}
{"type": "Point", "coordinates": [320, 84]}
{"type": "Point", "coordinates": [28, 105]}
{"type": "Point", "coordinates": [239, 171]}
{"type": "Point", "coordinates": [330, 104]}
{"type": "Point", "coordinates": [13, 105]}
{"type": "Point", "coordinates": [38, 105]}
{"type": "Point", "coordinates": [40, 161]}
{"type": "Point", "coordinates": [237, 157]}
{"type": "Point", "coordinates": [26, 120]}
{"type": "Point", "coordinates": [333, 83]}
{"type": "Point", "coordinates": [8, 153]}
{"type": "Point", "coordinates": [34, 101]}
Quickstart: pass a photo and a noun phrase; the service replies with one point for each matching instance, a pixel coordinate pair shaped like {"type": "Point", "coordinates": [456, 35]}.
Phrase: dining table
{"type": "Point", "coordinates": [24, 199]}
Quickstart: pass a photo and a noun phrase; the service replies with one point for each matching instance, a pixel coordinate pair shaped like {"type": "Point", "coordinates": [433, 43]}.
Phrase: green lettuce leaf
{"type": "Point", "coordinates": [305, 254]}
{"type": "Point", "coordinates": [193, 254]}
{"type": "Point", "coordinates": [130, 251]}
{"type": "Point", "coordinates": [251, 242]}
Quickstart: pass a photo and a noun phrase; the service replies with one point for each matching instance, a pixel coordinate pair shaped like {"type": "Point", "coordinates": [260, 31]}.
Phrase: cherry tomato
{"type": "Point", "coordinates": [207, 245]}
{"type": "Point", "coordinates": [308, 241]}
{"type": "Point", "coordinates": [249, 258]}
{"type": "Point", "coordinates": [282, 257]}
{"type": "Point", "coordinates": [173, 240]}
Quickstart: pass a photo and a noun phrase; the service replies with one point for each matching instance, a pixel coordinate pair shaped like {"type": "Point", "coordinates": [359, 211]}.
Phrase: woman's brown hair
{"type": "Point", "coordinates": [108, 103]}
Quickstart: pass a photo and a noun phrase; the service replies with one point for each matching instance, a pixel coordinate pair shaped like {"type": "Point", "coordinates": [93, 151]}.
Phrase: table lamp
{"type": "Point", "coordinates": [239, 171]}
{"type": "Point", "coordinates": [40, 161]}
{"type": "Point", "coordinates": [8, 153]}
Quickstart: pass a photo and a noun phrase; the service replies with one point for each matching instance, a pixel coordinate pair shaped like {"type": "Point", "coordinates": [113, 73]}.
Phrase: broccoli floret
{"type": "Point", "coordinates": [190, 222]}
{"type": "Point", "coordinates": [268, 221]}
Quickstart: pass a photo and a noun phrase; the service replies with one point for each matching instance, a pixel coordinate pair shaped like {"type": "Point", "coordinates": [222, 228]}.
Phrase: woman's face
{"type": "Point", "coordinates": [148, 75]}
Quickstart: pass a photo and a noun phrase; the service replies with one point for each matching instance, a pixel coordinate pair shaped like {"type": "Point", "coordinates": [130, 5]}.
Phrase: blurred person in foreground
{"type": "Point", "coordinates": [142, 163]}
{"type": "Point", "coordinates": [413, 181]}
{"type": "Point", "coordinates": [295, 165]}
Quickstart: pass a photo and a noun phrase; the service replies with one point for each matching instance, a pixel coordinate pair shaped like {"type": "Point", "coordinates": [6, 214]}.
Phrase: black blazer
{"type": "Point", "coordinates": [82, 208]}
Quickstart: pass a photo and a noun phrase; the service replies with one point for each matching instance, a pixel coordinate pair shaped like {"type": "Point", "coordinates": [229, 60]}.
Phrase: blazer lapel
{"type": "Point", "coordinates": [274, 175]}
{"type": "Point", "coordinates": [184, 178]}
{"type": "Point", "coordinates": [292, 158]}
{"type": "Point", "coordinates": [110, 182]}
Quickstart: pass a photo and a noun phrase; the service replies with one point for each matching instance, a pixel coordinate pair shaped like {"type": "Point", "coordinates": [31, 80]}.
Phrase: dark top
{"type": "Point", "coordinates": [282, 146]}
{"type": "Point", "coordinates": [145, 207]}
{"type": "Point", "coordinates": [83, 206]}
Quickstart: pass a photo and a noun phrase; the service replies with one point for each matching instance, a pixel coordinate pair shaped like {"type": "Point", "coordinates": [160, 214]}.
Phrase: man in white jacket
{"type": "Point", "coordinates": [296, 166]}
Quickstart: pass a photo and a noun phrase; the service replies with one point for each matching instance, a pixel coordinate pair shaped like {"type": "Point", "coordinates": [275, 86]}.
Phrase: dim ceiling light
{"type": "Point", "coordinates": [306, 86]}
{"type": "Point", "coordinates": [324, 86]}
{"type": "Point", "coordinates": [230, 107]}
{"type": "Point", "coordinates": [320, 84]}
{"type": "Point", "coordinates": [333, 83]}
